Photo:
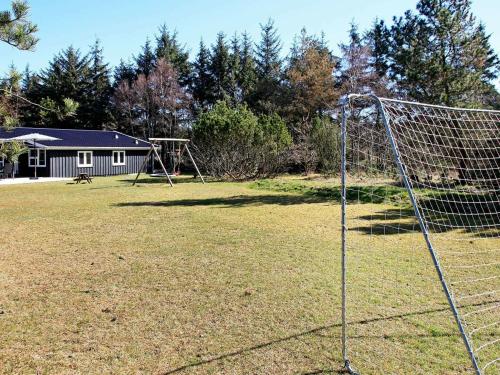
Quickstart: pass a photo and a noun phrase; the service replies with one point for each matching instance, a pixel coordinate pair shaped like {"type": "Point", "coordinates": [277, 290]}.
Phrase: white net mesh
{"type": "Point", "coordinates": [398, 319]}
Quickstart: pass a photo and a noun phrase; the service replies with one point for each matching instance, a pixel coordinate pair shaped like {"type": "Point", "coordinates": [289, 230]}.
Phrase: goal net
{"type": "Point", "coordinates": [420, 216]}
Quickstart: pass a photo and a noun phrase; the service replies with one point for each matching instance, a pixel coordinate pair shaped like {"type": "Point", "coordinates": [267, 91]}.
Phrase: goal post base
{"type": "Point", "coordinates": [347, 368]}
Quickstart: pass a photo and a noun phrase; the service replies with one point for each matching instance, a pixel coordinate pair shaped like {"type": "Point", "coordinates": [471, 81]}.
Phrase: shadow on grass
{"type": "Point", "coordinates": [299, 195]}
{"type": "Point", "coordinates": [235, 201]}
{"type": "Point", "coordinates": [475, 213]}
{"type": "Point", "coordinates": [319, 330]}
{"type": "Point", "coordinates": [473, 209]}
{"type": "Point", "coordinates": [354, 194]}
{"type": "Point", "coordinates": [163, 180]}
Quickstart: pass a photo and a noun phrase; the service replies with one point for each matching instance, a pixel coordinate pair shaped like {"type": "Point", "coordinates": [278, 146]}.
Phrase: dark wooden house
{"type": "Point", "coordinates": [96, 152]}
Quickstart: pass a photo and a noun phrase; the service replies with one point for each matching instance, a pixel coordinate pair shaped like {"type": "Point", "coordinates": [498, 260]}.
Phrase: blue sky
{"type": "Point", "coordinates": [123, 26]}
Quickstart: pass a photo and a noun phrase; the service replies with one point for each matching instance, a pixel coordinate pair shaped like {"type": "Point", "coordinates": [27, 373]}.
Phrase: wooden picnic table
{"type": "Point", "coordinates": [83, 177]}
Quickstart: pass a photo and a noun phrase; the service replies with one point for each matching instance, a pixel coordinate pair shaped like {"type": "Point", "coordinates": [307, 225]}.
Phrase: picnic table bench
{"type": "Point", "coordinates": [83, 177]}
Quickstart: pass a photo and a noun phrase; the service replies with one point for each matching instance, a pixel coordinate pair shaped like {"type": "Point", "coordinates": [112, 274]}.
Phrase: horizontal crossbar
{"type": "Point", "coordinates": [170, 139]}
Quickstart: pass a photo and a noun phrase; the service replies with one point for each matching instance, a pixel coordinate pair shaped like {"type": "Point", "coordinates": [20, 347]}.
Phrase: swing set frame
{"type": "Point", "coordinates": [183, 144]}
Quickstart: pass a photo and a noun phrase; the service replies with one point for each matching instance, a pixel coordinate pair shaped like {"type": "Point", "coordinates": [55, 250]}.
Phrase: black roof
{"type": "Point", "coordinates": [85, 139]}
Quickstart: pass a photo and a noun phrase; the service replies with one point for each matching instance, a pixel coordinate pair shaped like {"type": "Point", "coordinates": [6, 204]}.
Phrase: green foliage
{"type": "Point", "coordinates": [10, 90]}
{"type": "Point", "coordinates": [377, 38]}
{"type": "Point", "coordinates": [224, 124]}
{"type": "Point", "coordinates": [234, 143]}
{"type": "Point", "coordinates": [11, 151]}
{"type": "Point", "coordinates": [227, 72]}
{"type": "Point", "coordinates": [16, 29]}
{"type": "Point", "coordinates": [268, 53]}
{"type": "Point", "coordinates": [52, 110]}
{"type": "Point", "coordinates": [100, 89]}
{"type": "Point", "coordinates": [234, 70]}
{"type": "Point", "coordinates": [326, 140]}
{"type": "Point", "coordinates": [145, 62]}
{"type": "Point", "coordinates": [247, 77]}
{"type": "Point", "coordinates": [10, 122]}
{"type": "Point", "coordinates": [169, 48]}
{"type": "Point", "coordinates": [220, 68]}
{"type": "Point", "coordinates": [440, 55]}
{"type": "Point", "coordinates": [268, 70]}
{"type": "Point", "coordinates": [74, 91]}
{"type": "Point", "coordinates": [125, 71]}
{"type": "Point", "coordinates": [275, 132]}
{"type": "Point", "coordinates": [203, 82]}
{"type": "Point", "coordinates": [13, 80]}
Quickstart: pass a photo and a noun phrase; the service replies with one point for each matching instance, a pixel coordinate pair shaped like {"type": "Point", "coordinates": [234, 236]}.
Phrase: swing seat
{"type": "Point", "coordinates": [161, 174]}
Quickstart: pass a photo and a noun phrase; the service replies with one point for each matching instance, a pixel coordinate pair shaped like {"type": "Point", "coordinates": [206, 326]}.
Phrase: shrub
{"type": "Point", "coordinates": [231, 142]}
{"type": "Point", "coordinates": [326, 141]}
{"type": "Point", "coordinates": [11, 151]}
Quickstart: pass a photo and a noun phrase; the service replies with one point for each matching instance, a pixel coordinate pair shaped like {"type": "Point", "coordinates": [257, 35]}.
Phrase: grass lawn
{"type": "Point", "coordinates": [233, 278]}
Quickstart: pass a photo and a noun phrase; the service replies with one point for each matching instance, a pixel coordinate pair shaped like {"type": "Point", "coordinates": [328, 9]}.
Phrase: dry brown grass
{"type": "Point", "coordinates": [107, 278]}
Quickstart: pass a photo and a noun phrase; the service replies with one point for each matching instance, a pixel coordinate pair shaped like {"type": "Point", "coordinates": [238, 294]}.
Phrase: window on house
{"type": "Point", "coordinates": [2, 162]}
{"type": "Point", "coordinates": [36, 158]}
{"type": "Point", "coordinates": [84, 158]}
{"type": "Point", "coordinates": [118, 158]}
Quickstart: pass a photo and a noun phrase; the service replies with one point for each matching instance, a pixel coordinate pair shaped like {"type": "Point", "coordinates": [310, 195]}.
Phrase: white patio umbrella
{"type": "Point", "coordinates": [34, 137]}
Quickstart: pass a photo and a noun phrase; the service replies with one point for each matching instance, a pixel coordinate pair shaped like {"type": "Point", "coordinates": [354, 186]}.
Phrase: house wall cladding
{"type": "Point", "coordinates": [64, 163]}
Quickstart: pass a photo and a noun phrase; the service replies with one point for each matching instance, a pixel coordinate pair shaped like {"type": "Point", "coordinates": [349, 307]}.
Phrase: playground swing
{"type": "Point", "coordinates": [175, 149]}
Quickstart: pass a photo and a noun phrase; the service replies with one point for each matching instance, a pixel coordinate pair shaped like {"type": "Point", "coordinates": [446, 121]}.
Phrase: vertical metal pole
{"type": "Point", "coordinates": [343, 152]}
{"type": "Point", "coordinates": [425, 232]}
{"type": "Point", "coordinates": [36, 159]}
{"type": "Point", "coordinates": [194, 163]}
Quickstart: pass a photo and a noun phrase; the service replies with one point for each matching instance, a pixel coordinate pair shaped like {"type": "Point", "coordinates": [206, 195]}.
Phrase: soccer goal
{"type": "Point", "coordinates": [420, 216]}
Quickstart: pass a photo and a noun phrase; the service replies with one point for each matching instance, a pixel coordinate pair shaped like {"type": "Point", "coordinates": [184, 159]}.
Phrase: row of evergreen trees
{"type": "Point", "coordinates": [438, 54]}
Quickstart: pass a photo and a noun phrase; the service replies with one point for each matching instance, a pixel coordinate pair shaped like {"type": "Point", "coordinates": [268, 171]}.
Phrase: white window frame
{"type": "Point", "coordinates": [86, 164]}
{"type": "Point", "coordinates": [123, 162]}
{"type": "Point", "coordinates": [34, 161]}
{"type": "Point", "coordinates": [2, 162]}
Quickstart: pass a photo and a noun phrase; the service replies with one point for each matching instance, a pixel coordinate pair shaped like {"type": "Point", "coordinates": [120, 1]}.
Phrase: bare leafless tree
{"type": "Point", "coordinates": [151, 104]}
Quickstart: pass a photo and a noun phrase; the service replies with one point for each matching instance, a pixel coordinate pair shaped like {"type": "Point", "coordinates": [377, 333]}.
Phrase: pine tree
{"type": "Point", "coordinates": [269, 70]}
{"type": "Point", "coordinates": [220, 68]}
{"type": "Point", "coordinates": [28, 79]}
{"type": "Point", "coordinates": [169, 48]}
{"type": "Point", "coordinates": [15, 27]}
{"type": "Point", "coordinates": [203, 83]}
{"type": "Point", "coordinates": [10, 105]}
{"type": "Point", "coordinates": [248, 74]}
{"type": "Point", "coordinates": [30, 113]}
{"type": "Point", "coordinates": [234, 70]}
{"type": "Point", "coordinates": [100, 88]}
{"type": "Point", "coordinates": [146, 60]}
{"type": "Point", "coordinates": [442, 55]}
{"type": "Point", "coordinates": [68, 76]}
{"type": "Point", "coordinates": [268, 53]}
{"type": "Point", "coordinates": [18, 31]}
{"type": "Point", "coordinates": [124, 71]}
{"type": "Point", "coordinates": [378, 39]}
